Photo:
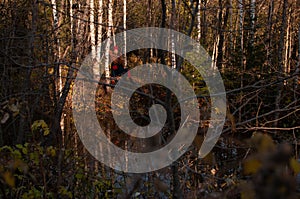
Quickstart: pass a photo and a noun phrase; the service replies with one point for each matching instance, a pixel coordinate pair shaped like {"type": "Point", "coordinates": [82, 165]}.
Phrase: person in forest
{"type": "Point", "coordinates": [117, 64]}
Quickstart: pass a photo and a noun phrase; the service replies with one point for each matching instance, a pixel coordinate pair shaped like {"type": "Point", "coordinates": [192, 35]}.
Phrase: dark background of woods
{"type": "Point", "coordinates": [254, 44]}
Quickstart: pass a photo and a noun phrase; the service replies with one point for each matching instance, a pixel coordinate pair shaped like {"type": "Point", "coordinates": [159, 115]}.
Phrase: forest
{"type": "Point", "coordinates": [252, 45]}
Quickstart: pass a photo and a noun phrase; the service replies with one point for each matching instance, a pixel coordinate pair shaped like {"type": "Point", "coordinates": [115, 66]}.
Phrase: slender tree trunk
{"type": "Point", "coordinates": [149, 11]}
{"type": "Point", "coordinates": [252, 22]}
{"type": "Point", "coordinates": [280, 63]}
{"type": "Point", "coordinates": [98, 50]}
{"type": "Point", "coordinates": [92, 29]}
{"type": "Point", "coordinates": [221, 27]}
{"type": "Point", "coordinates": [297, 79]}
{"type": "Point", "coordinates": [172, 23]}
{"type": "Point", "coordinates": [230, 27]}
{"type": "Point", "coordinates": [60, 124]}
{"type": "Point", "coordinates": [250, 46]}
{"type": "Point", "coordinates": [199, 22]}
{"type": "Point", "coordinates": [109, 39]}
{"type": "Point", "coordinates": [214, 54]}
{"type": "Point", "coordinates": [270, 35]}
{"type": "Point", "coordinates": [204, 24]}
{"type": "Point", "coordinates": [100, 21]}
{"type": "Point", "coordinates": [125, 27]}
{"type": "Point", "coordinates": [242, 58]}
{"type": "Point", "coordinates": [288, 46]}
{"type": "Point", "coordinates": [163, 25]}
{"type": "Point", "coordinates": [108, 44]}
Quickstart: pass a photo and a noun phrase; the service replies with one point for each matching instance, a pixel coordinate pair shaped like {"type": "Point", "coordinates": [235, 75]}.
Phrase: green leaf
{"type": "Point", "coordinates": [79, 176]}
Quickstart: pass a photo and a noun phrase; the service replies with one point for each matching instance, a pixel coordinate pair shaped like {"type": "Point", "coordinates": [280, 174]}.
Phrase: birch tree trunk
{"type": "Point", "coordinates": [204, 23]}
{"type": "Point", "coordinates": [199, 22]}
{"type": "Point", "coordinates": [222, 27]}
{"type": "Point", "coordinates": [125, 28]}
{"type": "Point", "coordinates": [173, 16]}
{"type": "Point", "coordinates": [100, 21]}
{"type": "Point", "coordinates": [288, 45]}
{"type": "Point", "coordinates": [92, 29]}
{"type": "Point", "coordinates": [109, 33]}
{"type": "Point", "coordinates": [57, 68]}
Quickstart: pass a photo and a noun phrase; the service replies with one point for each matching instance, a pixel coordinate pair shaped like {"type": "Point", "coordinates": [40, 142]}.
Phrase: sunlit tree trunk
{"type": "Point", "coordinates": [214, 54]}
{"type": "Point", "coordinates": [288, 45]}
{"type": "Point", "coordinates": [125, 27]}
{"type": "Point", "coordinates": [58, 70]}
{"type": "Point", "coordinates": [149, 11]}
{"type": "Point", "coordinates": [92, 29]}
{"type": "Point", "coordinates": [172, 23]}
{"type": "Point", "coordinates": [199, 22]}
{"type": "Point", "coordinates": [100, 21]}
{"type": "Point", "coordinates": [73, 60]}
{"type": "Point", "coordinates": [204, 22]}
{"type": "Point", "coordinates": [109, 39]}
{"type": "Point", "coordinates": [221, 27]}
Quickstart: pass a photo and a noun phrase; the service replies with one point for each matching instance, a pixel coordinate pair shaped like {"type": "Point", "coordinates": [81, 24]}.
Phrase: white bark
{"type": "Point", "coordinates": [215, 52]}
{"type": "Point", "coordinates": [99, 36]}
{"type": "Point", "coordinates": [199, 22]}
{"type": "Point", "coordinates": [288, 44]}
{"type": "Point", "coordinates": [92, 28]}
{"type": "Point", "coordinates": [55, 26]}
{"type": "Point", "coordinates": [94, 52]}
{"type": "Point", "coordinates": [173, 53]}
{"type": "Point", "coordinates": [109, 32]}
{"type": "Point", "coordinates": [125, 27]}
{"type": "Point", "coordinates": [57, 41]}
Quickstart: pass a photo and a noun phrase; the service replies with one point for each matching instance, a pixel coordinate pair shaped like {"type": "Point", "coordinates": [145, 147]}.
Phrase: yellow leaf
{"type": "Point", "coordinates": [51, 151]}
{"type": "Point", "coordinates": [46, 132]}
{"type": "Point", "coordinates": [295, 165]}
{"type": "Point", "coordinates": [9, 178]}
{"type": "Point", "coordinates": [251, 166]}
{"type": "Point", "coordinates": [262, 142]}
{"type": "Point", "coordinates": [40, 124]}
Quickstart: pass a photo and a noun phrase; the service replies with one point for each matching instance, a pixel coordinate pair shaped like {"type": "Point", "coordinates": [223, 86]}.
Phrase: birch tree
{"type": "Point", "coordinates": [100, 24]}
{"type": "Point", "coordinates": [125, 28]}
{"type": "Point", "coordinates": [172, 23]}
{"type": "Point", "coordinates": [92, 29]}
{"type": "Point", "coordinates": [199, 22]}
{"type": "Point", "coordinates": [109, 39]}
